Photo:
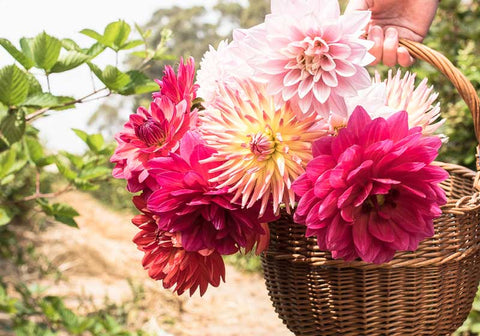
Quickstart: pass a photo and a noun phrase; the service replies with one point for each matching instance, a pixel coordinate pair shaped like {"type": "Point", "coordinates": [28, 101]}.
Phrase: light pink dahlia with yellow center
{"type": "Point", "coordinates": [311, 55]}
{"type": "Point", "coordinates": [263, 148]}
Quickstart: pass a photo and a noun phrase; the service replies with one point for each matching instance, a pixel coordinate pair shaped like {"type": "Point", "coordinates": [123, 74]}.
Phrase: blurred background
{"type": "Point", "coordinates": [85, 277]}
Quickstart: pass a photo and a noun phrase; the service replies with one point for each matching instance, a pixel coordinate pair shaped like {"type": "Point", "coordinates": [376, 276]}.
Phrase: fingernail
{"type": "Point", "coordinates": [391, 33]}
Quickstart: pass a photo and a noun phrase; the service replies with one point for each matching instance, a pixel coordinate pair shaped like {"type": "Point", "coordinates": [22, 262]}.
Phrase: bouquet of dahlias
{"type": "Point", "coordinates": [285, 117]}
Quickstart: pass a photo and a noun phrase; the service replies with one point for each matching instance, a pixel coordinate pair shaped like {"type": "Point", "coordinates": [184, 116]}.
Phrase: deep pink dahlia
{"type": "Point", "coordinates": [148, 134]}
{"type": "Point", "coordinates": [166, 259]}
{"type": "Point", "coordinates": [178, 87]}
{"type": "Point", "coordinates": [371, 190]}
{"type": "Point", "coordinates": [186, 202]}
{"type": "Point", "coordinates": [310, 55]}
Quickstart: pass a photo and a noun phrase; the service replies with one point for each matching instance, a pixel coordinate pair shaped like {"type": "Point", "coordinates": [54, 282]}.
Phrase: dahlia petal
{"type": "Point", "coordinates": [305, 87]}
{"type": "Point", "coordinates": [321, 91]}
{"type": "Point", "coordinates": [338, 234]}
{"type": "Point", "coordinates": [355, 19]}
{"type": "Point", "coordinates": [381, 229]}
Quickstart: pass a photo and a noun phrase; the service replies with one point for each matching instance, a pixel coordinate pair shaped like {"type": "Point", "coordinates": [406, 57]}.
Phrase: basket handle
{"type": "Point", "coordinates": [461, 83]}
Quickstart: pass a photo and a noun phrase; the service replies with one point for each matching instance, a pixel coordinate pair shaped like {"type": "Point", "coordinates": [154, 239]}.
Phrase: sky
{"type": "Point", "coordinates": [64, 19]}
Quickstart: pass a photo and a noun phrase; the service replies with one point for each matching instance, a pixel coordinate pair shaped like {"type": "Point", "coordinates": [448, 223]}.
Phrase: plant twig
{"type": "Point", "coordinates": [84, 99]}
{"type": "Point", "coordinates": [38, 195]}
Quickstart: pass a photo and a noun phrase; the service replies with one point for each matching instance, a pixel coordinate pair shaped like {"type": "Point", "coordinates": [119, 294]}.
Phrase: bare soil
{"type": "Point", "coordinates": [98, 259]}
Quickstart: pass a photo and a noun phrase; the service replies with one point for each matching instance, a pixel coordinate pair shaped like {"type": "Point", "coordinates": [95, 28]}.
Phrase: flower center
{"type": "Point", "coordinates": [378, 202]}
{"type": "Point", "coordinates": [262, 144]}
{"type": "Point", "coordinates": [150, 132]}
{"type": "Point", "coordinates": [314, 56]}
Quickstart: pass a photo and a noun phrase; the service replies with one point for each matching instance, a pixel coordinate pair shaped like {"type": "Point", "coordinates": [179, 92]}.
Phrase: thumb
{"type": "Point", "coordinates": [355, 5]}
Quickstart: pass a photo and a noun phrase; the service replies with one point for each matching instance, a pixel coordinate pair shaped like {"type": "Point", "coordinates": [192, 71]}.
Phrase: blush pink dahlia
{"type": "Point", "coordinates": [187, 202]}
{"type": "Point", "coordinates": [166, 259]}
{"type": "Point", "coordinates": [371, 190]}
{"type": "Point", "coordinates": [178, 87]}
{"type": "Point", "coordinates": [311, 55]}
{"type": "Point", "coordinates": [260, 149]}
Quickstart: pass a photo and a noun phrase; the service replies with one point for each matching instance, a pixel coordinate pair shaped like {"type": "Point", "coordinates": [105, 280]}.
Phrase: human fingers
{"type": "Point", "coordinates": [390, 47]}
{"type": "Point", "coordinates": [403, 57]}
{"type": "Point", "coordinates": [376, 35]}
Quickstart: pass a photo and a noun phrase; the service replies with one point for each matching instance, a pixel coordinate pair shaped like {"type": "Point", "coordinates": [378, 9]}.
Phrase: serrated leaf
{"type": "Point", "coordinates": [7, 179]}
{"type": "Point", "coordinates": [70, 45]}
{"type": "Point", "coordinates": [34, 150]}
{"type": "Point", "coordinates": [46, 99]}
{"type": "Point", "coordinates": [114, 79]}
{"type": "Point", "coordinates": [45, 50]}
{"type": "Point", "coordinates": [69, 61]}
{"type": "Point", "coordinates": [65, 170]}
{"type": "Point", "coordinates": [75, 160]}
{"type": "Point", "coordinates": [93, 34]}
{"type": "Point", "coordinates": [139, 84]}
{"type": "Point", "coordinates": [19, 56]}
{"type": "Point", "coordinates": [95, 50]}
{"type": "Point", "coordinates": [14, 85]}
{"type": "Point", "coordinates": [6, 215]}
{"type": "Point", "coordinates": [81, 134]}
{"type": "Point", "coordinates": [66, 210]}
{"type": "Point", "coordinates": [84, 185]}
{"type": "Point", "coordinates": [116, 34]}
{"type": "Point", "coordinates": [12, 127]}
{"type": "Point", "coordinates": [96, 172]}
{"type": "Point", "coordinates": [95, 142]}
{"type": "Point", "coordinates": [26, 45]}
{"type": "Point", "coordinates": [34, 85]}
{"type": "Point", "coordinates": [131, 44]}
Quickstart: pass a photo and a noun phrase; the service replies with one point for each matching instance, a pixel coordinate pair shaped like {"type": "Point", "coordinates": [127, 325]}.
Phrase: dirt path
{"type": "Point", "coordinates": [99, 258]}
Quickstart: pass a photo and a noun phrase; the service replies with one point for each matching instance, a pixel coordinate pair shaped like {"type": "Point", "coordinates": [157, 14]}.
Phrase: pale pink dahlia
{"type": "Point", "coordinates": [371, 190]}
{"type": "Point", "coordinates": [397, 93]}
{"type": "Point", "coordinates": [188, 203]}
{"type": "Point", "coordinates": [166, 259]}
{"type": "Point", "coordinates": [178, 87]}
{"type": "Point", "coordinates": [225, 64]}
{"type": "Point", "coordinates": [311, 55]}
{"type": "Point", "coordinates": [261, 149]}
{"type": "Point", "coordinates": [148, 134]}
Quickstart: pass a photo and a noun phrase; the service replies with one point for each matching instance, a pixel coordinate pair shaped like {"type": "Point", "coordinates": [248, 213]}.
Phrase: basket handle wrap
{"type": "Point", "coordinates": [461, 83]}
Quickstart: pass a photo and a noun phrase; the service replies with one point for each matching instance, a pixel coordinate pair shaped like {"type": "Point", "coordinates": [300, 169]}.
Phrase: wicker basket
{"type": "Point", "coordinates": [426, 292]}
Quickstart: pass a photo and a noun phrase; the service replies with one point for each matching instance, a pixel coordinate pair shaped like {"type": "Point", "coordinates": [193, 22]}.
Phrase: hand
{"type": "Point", "coordinates": [394, 19]}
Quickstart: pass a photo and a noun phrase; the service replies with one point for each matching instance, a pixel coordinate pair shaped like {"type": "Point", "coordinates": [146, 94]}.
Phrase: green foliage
{"type": "Point", "coordinates": [32, 314]}
{"type": "Point", "coordinates": [26, 189]}
{"type": "Point", "coordinates": [455, 32]}
{"type": "Point", "coordinates": [249, 262]}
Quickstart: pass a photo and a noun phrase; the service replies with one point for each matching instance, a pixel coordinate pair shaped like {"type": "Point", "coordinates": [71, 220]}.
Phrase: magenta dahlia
{"type": "Point", "coordinates": [371, 190]}
{"type": "Point", "coordinates": [187, 202]}
{"type": "Point", "coordinates": [148, 134]}
{"type": "Point", "coordinates": [166, 259]}
{"type": "Point", "coordinates": [310, 55]}
{"type": "Point", "coordinates": [178, 87]}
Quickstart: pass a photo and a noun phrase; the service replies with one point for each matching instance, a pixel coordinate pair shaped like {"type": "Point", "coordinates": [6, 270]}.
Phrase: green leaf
{"type": "Point", "coordinates": [14, 85]}
{"type": "Point", "coordinates": [139, 84]}
{"type": "Point", "coordinates": [10, 163]}
{"type": "Point", "coordinates": [70, 45]}
{"type": "Point", "coordinates": [81, 134]}
{"type": "Point", "coordinates": [26, 45]}
{"type": "Point", "coordinates": [95, 50]}
{"type": "Point", "coordinates": [85, 185]}
{"type": "Point", "coordinates": [6, 215]}
{"type": "Point", "coordinates": [46, 99]}
{"type": "Point", "coordinates": [93, 34]}
{"type": "Point", "coordinates": [12, 127]}
{"type": "Point", "coordinates": [35, 152]}
{"type": "Point", "coordinates": [69, 61]}
{"type": "Point", "coordinates": [95, 172]}
{"type": "Point", "coordinates": [144, 34]}
{"type": "Point", "coordinates": [65, 170]}
{"type": "Point", "coordinates": [19, 56]}
{"type": "Point", "coordinates": [112, 77]}
{"type": "Point", "coordinates": [46, 50]}
{"type": "Point", "coordinates": [116, 34]}
{"type": "Point", "coordinates": [34, 85]}
{"type": "Point", "coordinates": [75, 160]}
{"type": "Point", "coordinates": [63, 213]}
{"type": "Point", "coordinates": [132, 44]}
{"type": "Point", "coordinates": [95, 142]}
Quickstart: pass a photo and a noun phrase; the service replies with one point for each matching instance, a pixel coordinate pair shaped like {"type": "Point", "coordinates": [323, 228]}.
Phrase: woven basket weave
{"type": "Point", "coordinates": [426, 292]}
